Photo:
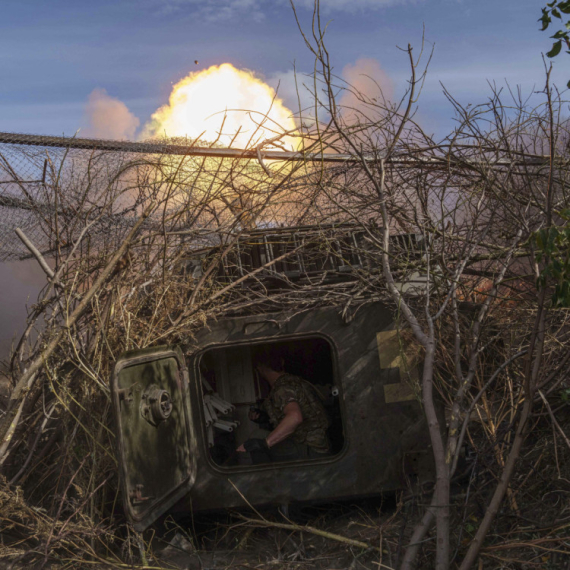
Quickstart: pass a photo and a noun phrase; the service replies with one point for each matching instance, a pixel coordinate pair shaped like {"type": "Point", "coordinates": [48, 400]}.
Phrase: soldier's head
{"type": "Point", "coordinates": [269, 363]}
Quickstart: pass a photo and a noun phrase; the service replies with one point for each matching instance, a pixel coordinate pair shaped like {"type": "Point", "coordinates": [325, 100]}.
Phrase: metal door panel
{"type": "Point", "coordinates": [156, 445]}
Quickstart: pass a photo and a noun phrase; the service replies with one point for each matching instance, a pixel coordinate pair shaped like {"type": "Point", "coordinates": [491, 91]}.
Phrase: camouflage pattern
{"type": "Point", "coordinates": [313, 430]}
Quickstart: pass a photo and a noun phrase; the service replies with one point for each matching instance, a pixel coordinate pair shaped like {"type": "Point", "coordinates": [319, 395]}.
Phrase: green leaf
{"type": "Point", "coordinates": [555, 49]}
{"type": "Point", "coordinates": [559, 34]}
{"type": "Point", "coordinates": [556, 13]}
{"type": "Point", "coordinates": [545, 19]}
{"type": "Point", "coordinates": [568, 84]}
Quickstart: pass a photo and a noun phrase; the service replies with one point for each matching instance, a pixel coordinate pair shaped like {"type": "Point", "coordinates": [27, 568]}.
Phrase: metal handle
{"type": "Point", "coordinates": [156, 405]}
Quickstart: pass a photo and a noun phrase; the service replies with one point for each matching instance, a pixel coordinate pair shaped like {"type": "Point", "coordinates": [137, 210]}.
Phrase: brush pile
{"type": "Point", "coordinates": [136, 251]}
{"type": "Point", "coordinates": [143, 250]}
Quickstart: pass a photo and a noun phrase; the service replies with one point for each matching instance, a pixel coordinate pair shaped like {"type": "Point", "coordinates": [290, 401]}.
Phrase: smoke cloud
{"type": "Point", "coordinates": [21, 283]}
{"type": "Point", "coordinates": [366, 81]}
{"type": "Point", "coordinates": [108, 117]}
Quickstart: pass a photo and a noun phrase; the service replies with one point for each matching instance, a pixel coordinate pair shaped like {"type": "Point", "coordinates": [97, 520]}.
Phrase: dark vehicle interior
{"type": "Point", "coordinates": [231, 387]}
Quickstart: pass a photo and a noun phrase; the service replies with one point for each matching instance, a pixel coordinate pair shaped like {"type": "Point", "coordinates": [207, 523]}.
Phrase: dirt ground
{"type": "Point", "coordinates": [231, 541]}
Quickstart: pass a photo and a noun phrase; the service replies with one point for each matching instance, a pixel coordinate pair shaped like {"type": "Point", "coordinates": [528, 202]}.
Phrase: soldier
{"type": "Point", "coordinates": [294, 411]}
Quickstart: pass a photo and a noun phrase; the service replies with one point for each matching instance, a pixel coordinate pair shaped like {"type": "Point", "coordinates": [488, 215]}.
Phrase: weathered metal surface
{"type": "Point", "coordinates": [392, 356]}
{"type": "Point", "coordinates": [156, 405]}
{"type": "Point", "coordinates": [154, 434]}
{"type": "Point", "coordinates": [384, 435]}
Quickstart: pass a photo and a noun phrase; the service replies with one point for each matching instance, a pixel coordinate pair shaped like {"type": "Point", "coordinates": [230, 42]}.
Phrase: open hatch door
{"type": "Point", "coordinates": [155, 439]}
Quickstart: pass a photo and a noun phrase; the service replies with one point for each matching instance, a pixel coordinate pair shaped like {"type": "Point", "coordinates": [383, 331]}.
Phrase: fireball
{"type": "Point", "coordinates": [226, 105]}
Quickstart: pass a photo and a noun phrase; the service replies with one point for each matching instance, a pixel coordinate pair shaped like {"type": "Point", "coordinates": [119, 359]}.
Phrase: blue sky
{"type": "Point", "coordinates": [54, 54]}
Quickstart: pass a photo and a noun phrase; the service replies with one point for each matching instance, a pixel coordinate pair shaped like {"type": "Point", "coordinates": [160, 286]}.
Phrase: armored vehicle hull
{"type": "Point", "coordinates": [173, 453]}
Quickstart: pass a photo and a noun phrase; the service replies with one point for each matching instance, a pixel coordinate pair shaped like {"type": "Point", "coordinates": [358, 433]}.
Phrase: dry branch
{"type": "Point", "coordinates": [309, 529]}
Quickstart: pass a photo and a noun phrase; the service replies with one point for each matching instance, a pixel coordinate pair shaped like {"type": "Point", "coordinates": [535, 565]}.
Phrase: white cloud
{"type": "Point", "coordinates": [213, 10]}
{"type": "Point", "coordinates": [347, 5]}
{"type": "Point", "coordinates": [216, 10]}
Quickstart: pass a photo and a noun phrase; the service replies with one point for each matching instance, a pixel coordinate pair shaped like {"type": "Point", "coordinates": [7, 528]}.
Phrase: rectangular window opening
{"type": "Point", "coordinates": [234, 389]}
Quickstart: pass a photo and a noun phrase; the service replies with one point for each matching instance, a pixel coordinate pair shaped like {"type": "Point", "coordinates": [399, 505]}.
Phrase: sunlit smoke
{"type": "Point", "coordinates": [366, 82]}
{"type": "Point", "coordinates": [215, 104]}
{"type": "Point", "coordinates": [108, 118]}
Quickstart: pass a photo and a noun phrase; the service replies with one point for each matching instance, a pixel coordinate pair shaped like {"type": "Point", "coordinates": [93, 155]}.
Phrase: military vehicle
{"type": "Point", "coordinates": [182, 411]}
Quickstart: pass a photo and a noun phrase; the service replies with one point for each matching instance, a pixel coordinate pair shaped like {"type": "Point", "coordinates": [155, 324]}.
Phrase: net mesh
{"type": "Point", "coordinates": [92, 192]}
{"type": "Point", "coordinates": [63, 193]}
{"type": "Point", "coordinates": [52, 194]}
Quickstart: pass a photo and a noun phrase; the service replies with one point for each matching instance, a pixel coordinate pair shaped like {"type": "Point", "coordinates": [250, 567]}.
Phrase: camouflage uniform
{"type": "Point", "coordinates": [313, 430]}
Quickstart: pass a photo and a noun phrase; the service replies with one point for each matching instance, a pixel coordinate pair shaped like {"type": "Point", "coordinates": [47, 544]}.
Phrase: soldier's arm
{"type": "Point", "coordinates": [292, 420]}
